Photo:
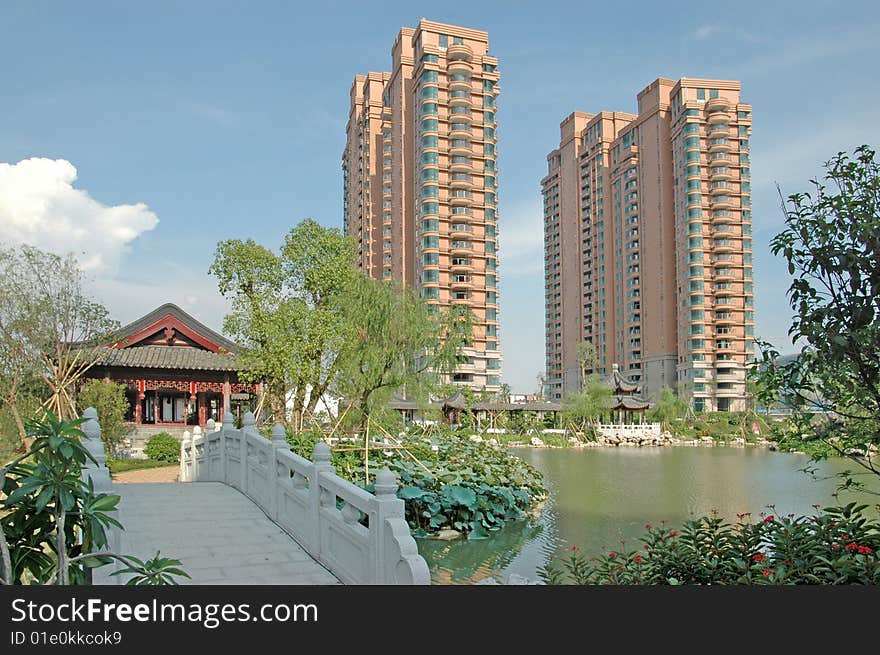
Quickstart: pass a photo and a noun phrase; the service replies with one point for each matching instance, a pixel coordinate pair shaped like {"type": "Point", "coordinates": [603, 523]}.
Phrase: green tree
{"type": "Point", "coordinates": [667, 407]}
{"type": "Point", "coordinates": [395, 342]}
{"type": "Point", "coordinates": [831, 244]}
{"type": "Point", "coordinates": [109, 399]}
{"type": "Point", "coordinates": [586, 406]}
{"type": "Point", "coordinates": [285, 312]}
{"type": "Point", "coordinates": [51, 329]}
{"type": "Point", "coordinates": [588, 360]}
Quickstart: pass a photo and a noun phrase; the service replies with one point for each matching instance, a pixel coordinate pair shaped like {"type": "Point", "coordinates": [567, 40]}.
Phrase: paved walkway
{"type": "Point", "coordinates": [220, 536]}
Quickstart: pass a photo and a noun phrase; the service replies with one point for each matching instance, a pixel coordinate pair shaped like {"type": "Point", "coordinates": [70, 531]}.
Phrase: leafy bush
{"type": "Point", "coordinates": [837, 546]}
{"type": "Point", "coordinates": [471, 487]}
{"type": "Point", "coordinates": [162, 447]}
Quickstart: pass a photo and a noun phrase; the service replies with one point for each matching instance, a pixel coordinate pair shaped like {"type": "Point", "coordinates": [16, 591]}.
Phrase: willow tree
{"type": "Point", "coordinates": [285, 312]}
{"type": "Point", "coordinates": [586, 406]}
{"type": "Point", "coordinates": [51, 329]}
{"type": "Point", "coordinates": [395, 342]}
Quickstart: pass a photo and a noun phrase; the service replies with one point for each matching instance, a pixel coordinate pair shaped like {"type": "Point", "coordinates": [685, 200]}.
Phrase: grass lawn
{"type": "Point", "coordinates": [123, 465]}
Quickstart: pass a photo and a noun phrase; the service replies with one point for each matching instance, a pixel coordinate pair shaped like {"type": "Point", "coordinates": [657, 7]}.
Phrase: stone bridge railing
{"type": "Point", "coordinates": [360, 537]}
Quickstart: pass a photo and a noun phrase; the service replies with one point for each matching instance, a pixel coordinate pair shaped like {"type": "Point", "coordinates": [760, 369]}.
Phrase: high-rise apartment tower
{"type": "Point", "coordinates": [648, 244]}
{"type": "Point", "coordinates": [420, 179]}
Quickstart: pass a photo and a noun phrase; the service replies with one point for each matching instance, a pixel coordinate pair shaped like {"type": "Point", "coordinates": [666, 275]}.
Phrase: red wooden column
{"type": "Point", "coordinates": [202, 408]}
{"type": "Point", "coordinates": [138, 404]}
{"type": "Point", "coordinates": [227, 391]}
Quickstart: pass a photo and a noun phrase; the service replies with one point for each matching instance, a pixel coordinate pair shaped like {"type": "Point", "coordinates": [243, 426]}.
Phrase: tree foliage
{"type": "Point", "coordinates": [50, 328]}
{"type": "Point", "coordinates": [667, 407]}
{"type": "Point", "coordinates": [111, 403]}
{"type": "Point", "coordinates": [285, 311]}
{"type": "Point", "coordinates": [586, 406]}
{"type": "Point", "coordinates": [831, 244]}
{"type": "Point", "coordinates": [394, 341]}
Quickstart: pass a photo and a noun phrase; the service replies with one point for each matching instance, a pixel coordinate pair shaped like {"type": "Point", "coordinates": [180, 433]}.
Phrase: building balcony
{"type": "Point", "coordinates": [461, 184]}
{"type": "Point", "coordinates": [725, 318]}
{"type": "Point", "coordinates": [722, 274]}
{"type": "Point", "coordinates": [718, 116]}
{"type": "Point", "coordinates": [461, 166]}
{"type": "Point", "coordinates": [724, 246]}
{"type": "Point", "coordinates": [460, 115]}
{"type": "Point", "coordinates": [462, 283]}
{"type": "Point", "coordinates": [721, 202]}
{"type": "Point", "coordinates": [459, 230]}
{"type": "Point", "coordinates": [459, 51]}
{"type": "Point", "coordinates": [717, 104]}
{"type": "Point", "coordinates": [459, 66]}
{"type": "Point", "coordinates": [720, 189]}
{"type": "Point", "coordinates": [461, 201]}
{"type": "Point", "coordinates": [460, 98]}
{"type": "Point", "coordinates": [719, 129]}
{"type": "Point", "coordinates": [460, 130]}
{"type": "Point", "coordinates": [721, 145]}
{"type": "Point", "coordinates": [720, 159]}
{"type": "Point", "coordinates": [460, 150]}
{"type": "Point", "coordinates": [460, 84]}
{"type": "Point", "coordinates": [719, 173]}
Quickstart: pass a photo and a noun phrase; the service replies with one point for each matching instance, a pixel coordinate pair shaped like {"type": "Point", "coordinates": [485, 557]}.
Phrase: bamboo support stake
{"type": "Point", "coordinates": [405, 449]}
{"type": "Point", "coordinates": [367, 452]}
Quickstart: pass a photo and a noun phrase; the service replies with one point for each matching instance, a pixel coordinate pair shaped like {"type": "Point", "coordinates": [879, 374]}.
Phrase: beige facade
{"type": "Point", "coordinates": [420, 179]}
{"type": "Point", "coordinates": [648, 249]}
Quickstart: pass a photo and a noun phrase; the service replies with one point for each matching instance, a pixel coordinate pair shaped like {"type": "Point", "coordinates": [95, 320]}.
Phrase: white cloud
{"type": "Point", "coordinates": [705, 31]}
{"type": "Point", "coordinates": [40, 206]}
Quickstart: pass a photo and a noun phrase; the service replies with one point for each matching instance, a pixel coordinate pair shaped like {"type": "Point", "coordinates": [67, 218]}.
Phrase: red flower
{"type": "Point", "coordinates": [769, 519]}
{"type": "Point", "coordinates": [766, 572]}
{"type": "Point", "coordinates": [574, 547]}
{"type": "Point", "coordinates": [865, 550]}
{"type": "Point", "coordinates": [637, 558]}
{"type": "Point", "coordinates": [852, 545]}
{"type": "Point", "coordinates": [672, 533]}
{"type": "Point", "coordinates": [612, 554]}
{"type": "Point", "coordinates": [647, 526]}
{"type": "Point", "coordinates": [759, 557]}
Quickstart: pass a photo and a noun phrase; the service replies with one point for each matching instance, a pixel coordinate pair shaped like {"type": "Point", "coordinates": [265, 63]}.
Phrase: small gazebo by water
{"type": "Point", "coordinates": [626, 405]}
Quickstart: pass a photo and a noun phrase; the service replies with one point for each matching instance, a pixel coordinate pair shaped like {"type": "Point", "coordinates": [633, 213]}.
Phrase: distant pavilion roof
{"type": "Point", "coordinates": [624, 392]}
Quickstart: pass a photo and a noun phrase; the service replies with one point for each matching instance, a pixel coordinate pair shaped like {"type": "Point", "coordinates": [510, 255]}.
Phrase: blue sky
{"type": "Point", "coordinates": [188, 123]}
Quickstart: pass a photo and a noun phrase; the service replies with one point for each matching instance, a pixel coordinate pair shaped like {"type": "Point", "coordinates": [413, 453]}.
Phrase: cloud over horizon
{"type": "Point", "coordinates": [40, 206]}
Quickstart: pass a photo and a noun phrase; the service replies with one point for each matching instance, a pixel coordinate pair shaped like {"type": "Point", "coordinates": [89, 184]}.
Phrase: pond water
{"type": "Point", "coordinates": [602, 497]}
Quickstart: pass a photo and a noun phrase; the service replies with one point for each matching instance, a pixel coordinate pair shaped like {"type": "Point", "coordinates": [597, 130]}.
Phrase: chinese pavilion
{"type": "Point", "coordinates": [178, 371]}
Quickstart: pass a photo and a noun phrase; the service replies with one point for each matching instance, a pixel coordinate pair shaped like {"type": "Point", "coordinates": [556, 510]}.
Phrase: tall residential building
{"type": "Point", "coordinates": [420, 179]}
{"type": "Point", "coordinates": [648, 244]}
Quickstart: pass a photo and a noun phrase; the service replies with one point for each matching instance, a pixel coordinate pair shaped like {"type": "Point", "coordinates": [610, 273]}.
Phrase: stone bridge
{"type": "Point", "coordinates": [247, 510]}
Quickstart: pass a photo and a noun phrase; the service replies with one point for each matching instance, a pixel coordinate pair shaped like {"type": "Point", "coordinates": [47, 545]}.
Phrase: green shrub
{"type": "Point", "coordinates": [162, 447]}
{"type": "Point", "coordinates": [836, 546]}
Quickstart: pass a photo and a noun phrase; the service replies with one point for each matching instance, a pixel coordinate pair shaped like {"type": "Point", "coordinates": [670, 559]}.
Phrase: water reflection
{"type": "Point", "coordinates": [601, 499]}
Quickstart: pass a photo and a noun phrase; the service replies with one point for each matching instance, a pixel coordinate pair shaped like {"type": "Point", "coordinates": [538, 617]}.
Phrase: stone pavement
{"type": "Point", "coordinates": [220, 536]}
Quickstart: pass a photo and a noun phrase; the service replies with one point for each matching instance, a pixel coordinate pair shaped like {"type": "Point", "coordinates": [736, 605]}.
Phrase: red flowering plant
{"type": "Point", "coordinates": [838, 545]}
